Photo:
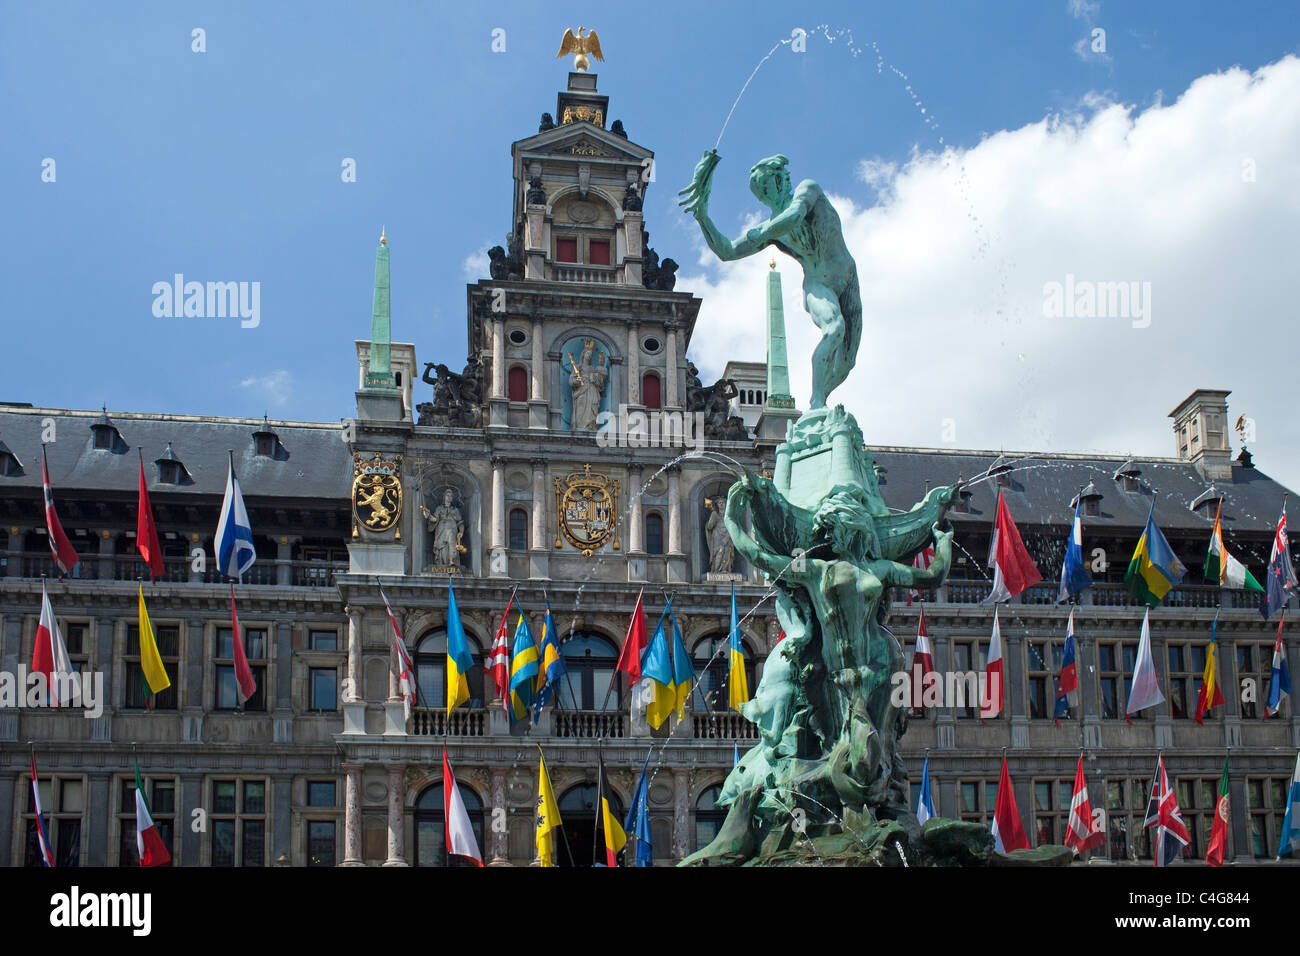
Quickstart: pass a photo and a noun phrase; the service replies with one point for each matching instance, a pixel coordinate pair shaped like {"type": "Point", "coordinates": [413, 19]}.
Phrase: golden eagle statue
{"type": "Point", "coordinates": [580, 46]}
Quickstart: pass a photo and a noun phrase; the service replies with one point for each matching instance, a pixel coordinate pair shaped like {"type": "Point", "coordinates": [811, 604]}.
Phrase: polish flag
{"type": "Point", "coordinates": [1008, 831]}
{"type": "Point", "coordinates": [922, 664]}
{"type": "Point", "coordinates": [991, 691]}
{"type": "Point", "coordinates": [65, 556]}
{"type": "Point", "coordinates": [459, 832]}
{"type": "Point", "coordinates": [1013, 569]}
{"type": "Point", "coordinates": [1079, 834]}
{"type": "Point", "coordinates": [498, 661]}
{"type": "Point", "coordinates": [50, 657]}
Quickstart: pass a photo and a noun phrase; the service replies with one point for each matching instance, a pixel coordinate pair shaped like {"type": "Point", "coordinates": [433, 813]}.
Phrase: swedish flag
{"type": "Point", "coordinates": [523, 670]}
{"type": "Point", "coordinates": [552, 663]}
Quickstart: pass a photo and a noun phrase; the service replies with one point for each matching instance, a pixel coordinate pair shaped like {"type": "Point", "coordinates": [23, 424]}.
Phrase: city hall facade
{"type": "Point", "coordinates": [520, 480]}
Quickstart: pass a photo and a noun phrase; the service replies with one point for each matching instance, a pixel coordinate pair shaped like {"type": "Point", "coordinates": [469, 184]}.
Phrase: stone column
{"type": "Point", "coordinates": [282, 828]}
{"type": "Point", "coordinates": [500, 836]}
{"type": "Point", "coordinates": [498, 565]}
{"type": "Point", "coordinates": [633, 364]}
{"type": "Point", "coordinates": [394, 661]}
{"type": "Point", "coordinates": [106, 547]}
{"type": "Point", "coordinates": [14, 567]}
{"type": "Point", "coordinates": [196, 576]}
{"type": "Point", "coordinates": [635, 533]}
{"type": "Point", "coordinates": [352, 816]}
{"type": "Point", "coordinates": [396, 815]}
{"type": "Point", "coordinates": [670, 365]}
{"type": "Point", "coordinates": [191, 796]}
{"type": "Point", "coordinates": [498, 389]}
{"type": "Point", "coordinates": [538, 542]}
{"type": "Point", "coordinates": [283, 665]}
{"type": "Point", "coordinates": [674, 510]}
{"type": "Point", "coordinates": [539, 364]}
{"type": "Point", "coordinates": [681, 814]}
{"type": "Point", "coordinates": [354, 652]}
{"type": "Point", "coordinates": [98, 820]}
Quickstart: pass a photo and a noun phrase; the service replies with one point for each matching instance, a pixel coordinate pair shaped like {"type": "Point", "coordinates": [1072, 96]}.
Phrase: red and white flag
{"type": "Point", "coordinates": [1171, 835]}
{"type": "Point", "coordinates": [497, 664]}
{"type": "Point", "coordinates": [148, 843]}
{"type": "Point", "coordinates": [50, 657]}
{"type": "Point", "coordinates": [1079, 834]}
{"type": "Point", "coordinates": [65, 556]}
{"type": "Point", "coordinates": [1013, 569]}
{"type": "Point", "coordinates": [991, 687]}
{"type": "Point", "coordinates": [1008, 831]}
{"type": "Point", "coordinates": [42, 834]}
{"type": "Point", "coordinates": [405, 667]}
{"type": "Point", "coordinates": [247, 687]}
{"type": "Point", "coordinates": [146, 532]}
{"type": "Point", "coordinates": [924, 558]}
{"type": "Point", "coordinates": [459, 831]}
{"type": "Point", "coordinates": [922, 664]}
{"type": "Point", "coordinates": [634, 642]}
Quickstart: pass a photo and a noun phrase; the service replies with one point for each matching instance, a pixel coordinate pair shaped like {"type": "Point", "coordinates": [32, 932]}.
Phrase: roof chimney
{"type": "Point", "coordinates": [1201, 432]}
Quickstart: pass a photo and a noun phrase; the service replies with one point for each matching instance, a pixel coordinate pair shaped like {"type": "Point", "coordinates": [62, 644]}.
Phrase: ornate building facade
{"type": "Point", "coordinates": [576, 462]}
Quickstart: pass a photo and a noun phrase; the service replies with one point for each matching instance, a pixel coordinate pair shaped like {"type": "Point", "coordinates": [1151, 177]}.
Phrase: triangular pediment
{"type": "Point", "coordinates": [582, 139]}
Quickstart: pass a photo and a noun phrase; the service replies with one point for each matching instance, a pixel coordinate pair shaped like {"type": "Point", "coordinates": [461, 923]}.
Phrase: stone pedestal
{"type": "Point", "coordinates": [379, 405]}
{"type": "Point", "coordinates": [366, 557]}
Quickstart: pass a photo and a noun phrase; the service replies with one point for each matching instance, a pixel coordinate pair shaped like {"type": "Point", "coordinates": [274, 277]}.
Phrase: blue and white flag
{"type": "Point", "coordinates": [1280, 686]}
{"type": "Point", "coordinates": [1074, 574]}
{"type": "Point", "coordinates": [1290, 841]}
{"type": "Point", "coordinates": [925, 805]}
{"type": "Point", "coordinates": [234, 541]}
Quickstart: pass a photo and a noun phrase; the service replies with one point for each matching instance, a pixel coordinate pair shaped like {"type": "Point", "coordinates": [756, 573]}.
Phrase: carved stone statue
{"type": "Point", "coordinates": [456, 398]}
{"type": "Point", "coordinates": [536, 194]}
{"type": "Point", "coordinates": [722, 551]}
{"type": "Point", "coordinates": [548, 122]}
{"type": "Point", "coordinates": [694, 390]}
{"type": "Point", "coordinates": [715, 403]}
{"type": "Point", "coordinates": [587, 379]}
{"type": "Point", "coordinates": [447, 527]}
{"type": "Point", "coordinates": [617, 128]}
{"type": "Point", "coordinates": [632, 199]}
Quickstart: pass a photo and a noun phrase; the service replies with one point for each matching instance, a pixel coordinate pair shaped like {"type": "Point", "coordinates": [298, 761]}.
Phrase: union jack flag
{"type": "Point", "coordinates": [1171, 834]}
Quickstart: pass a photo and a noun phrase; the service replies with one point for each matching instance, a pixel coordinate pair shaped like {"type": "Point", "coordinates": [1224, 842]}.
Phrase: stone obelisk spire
{"type": "Point", "coordinates": [380, 374]}
{"type": "Point", "coordinates": [779, 407]}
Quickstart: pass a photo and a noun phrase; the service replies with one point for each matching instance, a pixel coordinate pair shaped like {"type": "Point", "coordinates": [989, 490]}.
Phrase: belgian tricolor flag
{"type": "Point", "coordinates": [606, 820]}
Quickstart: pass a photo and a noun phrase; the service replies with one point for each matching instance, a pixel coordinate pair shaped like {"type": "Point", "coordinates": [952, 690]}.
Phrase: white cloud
{"type": "Point", "coordinates": [475, 265]}
{"type": "Point", "coordinates": [274, 387]}
{"type": "Point", "coordinates": [954, 258]}
{"type": "Point", "coordinates": [1084, 10]}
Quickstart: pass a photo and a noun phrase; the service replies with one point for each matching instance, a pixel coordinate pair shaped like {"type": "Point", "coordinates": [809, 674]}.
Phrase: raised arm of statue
{"type": "Point", "coordinates": [695, 199]}
{"type": "Point", "coordinates": [906, 575]}
{"type": "Point", "coordinates": [749, 549]}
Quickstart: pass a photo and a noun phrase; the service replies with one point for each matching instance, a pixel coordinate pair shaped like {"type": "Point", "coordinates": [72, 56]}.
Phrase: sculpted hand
{"type": "Point", "coordinates": [695, 197]}
{"type": "Point", "coordinates": [942, 550]}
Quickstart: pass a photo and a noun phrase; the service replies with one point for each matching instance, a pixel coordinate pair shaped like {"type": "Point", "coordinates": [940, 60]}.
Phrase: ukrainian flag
{"type": "Point", "coordinates": [523, 670]}
{"type": "Point", "coordinates": [548, 814]}
{"type": "Point", "coordinates": [737, 683]}
{"type": "Point", "coordinates": [1154, 569]}
{"type": "Point", "coordinates": [552, 663]}
{"type": "Point", "coordinates": [683, 670]}
{"type": "Point", "coordinates": [657, 667]}
{"type": "Point", "coordinates": [459, 660]}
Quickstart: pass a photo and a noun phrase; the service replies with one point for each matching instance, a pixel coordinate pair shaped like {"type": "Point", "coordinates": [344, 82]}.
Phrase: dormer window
{"type": "Point", "coordinates": [1088, 500]}
{"type": "Point", "coordinates": [171, 470]}
{"type": "Point", "coordinates": [106, 435]}
{"type": "Point", "coordinates": [10, 466]}
{"type": "Point", "coordinates": [266, 443]}
{"type": "Point", "coordinates": [1127, 475]}
{"type": "Point", "coordinates": [1207, 501]}
{"type": "Point", "coordinates": [1000, 471]}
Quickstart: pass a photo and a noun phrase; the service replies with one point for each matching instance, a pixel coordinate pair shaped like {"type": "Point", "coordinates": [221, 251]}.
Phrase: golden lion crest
{"type": "Point", "coordinates": [376, 493]}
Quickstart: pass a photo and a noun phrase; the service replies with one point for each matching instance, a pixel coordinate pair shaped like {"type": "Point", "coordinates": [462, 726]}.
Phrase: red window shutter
{"type": "Point", "coordinates": [650, 396]}
{"type": "Point", "coordinates": [517, 387]}
{"type": "Point", "coordinates": [598, 252]}
{"type": "Point", "coordinates": [566, 250]}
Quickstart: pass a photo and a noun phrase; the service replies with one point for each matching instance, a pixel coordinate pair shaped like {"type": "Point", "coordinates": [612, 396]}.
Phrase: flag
{"type": "Point", "coordinates": [1290, 841]}
{"type": "Point", "coordinates": [1154, 568]}
{"type": "Point", "coordinates": [1067, 683]}
{"type": "Point", "coordinates": [50, 657]}
{"type": "Point", "coordinates": [922, 664]}
{"type": "Point", "coordinates": [1222, 567]}
{"type": "Point", "coordinates": [737, 682]}
{"type": "Point", "coordinates": [615, 837]}
{"type": "Point", "coordinates": [523, 671]}
{"type": "Point", "coordinates": [406, 669]}
{"type": "Point", "coordinates": [1163, 814]}
{"type": "Point", "coordinates": [1214, 853]}
{"type": "Point", "coordinates": [657, 674]}
{"type": "Point", "coordinates": [925, 804]}
{"type": "Point", "coordinates": [1074, 574]}
{"type": "Point", "coordinates": [498, 662]}
{"type": "Point", "coordinates": [148, 843]}
{"type": "Point", "coordinates": [552, 666]}
{"type": "Point", "coordinates": [634, 644]}
{"type": "Point", "coordinates": [548, 814]}
{"type": "Point", "coordinates": [1008, 831]}
{"type": "Point", "coordinates": [991, 689]}
{"type": "Point", "coordinates": [1211, 694]}
{"type": "Point", "coordinates": [146, 533]}
{"type": "Point", "coordinates": [42, 835]}
{"type": "Point", "coordinates": [1145, 689]}
{"type": "Point", "coordinates": [459, 660]}
{"type": "Point", "coordinates": [683, 669]}
{"type": "Point", "coordinates": [246, 687]}
{"type": "Point", "coordinates": [1013, 568]}
{"type": "Point", "coordinates": [155, 675]}
{"type": "Point", "coordinates": [924, 558]}
{"type": "Point", "coordinates": [637, 824]}
{"type": "Point", "coordinates": [1280, 686]}
{"type": "Point", "coordinates": [1281, 573]}
{"type": "Point", "coordinates": [458, 832]}
{"type": "Point", "coordinates": [1079, 834]}
{"type": "Point", "coordinates": [65, 556]}
{"type": "Point", "coordinates": [233, 544]}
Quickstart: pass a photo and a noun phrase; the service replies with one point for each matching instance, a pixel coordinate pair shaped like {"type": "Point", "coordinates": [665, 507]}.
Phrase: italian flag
{"type": "Point", "coordinates": [1222, 567]}
{"type": "Point", "coordinates": [150, 846]}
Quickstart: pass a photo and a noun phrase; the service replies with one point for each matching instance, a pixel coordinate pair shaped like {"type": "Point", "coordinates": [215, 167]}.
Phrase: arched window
{"type": "Point", "coordinates": [589, 660]}
{"type": "Point", "coordinates": [578, 811]}
{"type": "Point", "coordinates": [430, 829]}
{"type": "Point", "coordinates": [431, 670]}
{"type": "Point", "coordinates": [517, 384]}
{"type": "Point", "coordinates": [708, 816]}
{"type": "Point", "coordinates": [650, 394]}
{"type": "Point", "coordinates": [518, 529]}
{"type": "Point", "coordinates": [654, 533]}
{"type": "Point", "coordinates": [712, 659]}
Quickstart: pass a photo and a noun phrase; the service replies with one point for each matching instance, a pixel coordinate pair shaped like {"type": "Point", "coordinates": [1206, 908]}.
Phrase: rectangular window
{"type": "Point", "coordinates": [63, 805]}
{"type": "Point", "coordinates": [1051, 810]}
{"type": "Point", "coordinates": [1042, 699]}
{"type": "Point", "coordinates": [324, 689]}
{"type": "Point", "coordinates": [162, 807]}
{"type": "Point", "coordinates": [1126, 803]}
{"type": "Point", "coordinates": [969, 658]}
{"type": "Point", "coordinates": [1255, 663]}
{"type": "Point", "coordinates": [566, 249]}
{"type": "Point", "coordinates": [977, 800]}
{"type": "Point", "coordinates": [324, 640]}
{"type": "Point", "coordinates": [321, 793]}
{"type": "Point", "coordinates": [1266, 802]}
{"type": "Point", "coordinates": [138, 695]}
{"type": "Point", "coordinates": [238, 822]}
{"type": "Point", "coordinates": [255, 645]}
{"type": "Point", "coordinates": [320, 842]}
{"type": "Point", "coordinates": [598, 252]}
{"type": "Point", "coordinates": [1116, 681]}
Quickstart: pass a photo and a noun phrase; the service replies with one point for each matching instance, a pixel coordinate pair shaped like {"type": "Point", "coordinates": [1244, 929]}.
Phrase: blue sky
{"type": "Point", "coordinates": [225, 165]}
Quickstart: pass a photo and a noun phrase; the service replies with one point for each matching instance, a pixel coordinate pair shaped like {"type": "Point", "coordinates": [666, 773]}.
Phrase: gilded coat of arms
{"type": "Point", "coordinates": [376, 493]}
{"type": "Point", "coordinates": [587, 506]}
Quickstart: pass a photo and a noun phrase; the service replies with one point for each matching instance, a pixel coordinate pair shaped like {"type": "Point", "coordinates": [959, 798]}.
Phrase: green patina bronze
{"type": "Point", "coordinates": [826, 776]}
{"type": "Point", "coordinates": [380, 373]}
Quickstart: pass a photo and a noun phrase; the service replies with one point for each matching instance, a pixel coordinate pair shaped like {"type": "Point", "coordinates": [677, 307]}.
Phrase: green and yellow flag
{"type": "Point", "coordinates": [155, 674]}
{"type": "Point", "coordinates": [548, 815]}
{"type": "Point", "coordinates": [1155, 569]}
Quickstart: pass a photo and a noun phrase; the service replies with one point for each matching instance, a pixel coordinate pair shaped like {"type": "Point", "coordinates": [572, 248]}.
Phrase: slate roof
{"type": "Point", "coordinates": [314, 462]}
